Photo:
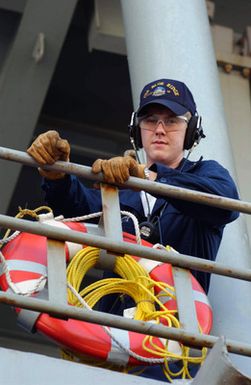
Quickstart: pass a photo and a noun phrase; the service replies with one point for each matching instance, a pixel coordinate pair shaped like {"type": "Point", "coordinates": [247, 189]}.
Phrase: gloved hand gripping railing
{"type": "Point", "coordinates": [133, 182]}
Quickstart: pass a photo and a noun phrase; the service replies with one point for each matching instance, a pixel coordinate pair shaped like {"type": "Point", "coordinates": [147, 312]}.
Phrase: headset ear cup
{"type": "Point", "coordinates": [134, 131]}
{"type": "Point", "coordinates": [192, 132]}
{"type": "Point", "coordinates": [138, 140]}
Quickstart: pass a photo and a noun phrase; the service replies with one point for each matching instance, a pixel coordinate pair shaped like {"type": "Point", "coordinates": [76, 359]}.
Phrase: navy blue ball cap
{"type": "Point", "coordinates": [172, 94]}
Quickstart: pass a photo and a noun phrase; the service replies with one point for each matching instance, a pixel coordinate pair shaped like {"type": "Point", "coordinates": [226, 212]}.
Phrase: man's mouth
{"type": "Point", "coordinates": [159, 142]}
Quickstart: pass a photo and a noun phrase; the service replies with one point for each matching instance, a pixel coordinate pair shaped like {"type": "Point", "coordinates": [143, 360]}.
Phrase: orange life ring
{"type": "Point", "coordinates": [26, 256]}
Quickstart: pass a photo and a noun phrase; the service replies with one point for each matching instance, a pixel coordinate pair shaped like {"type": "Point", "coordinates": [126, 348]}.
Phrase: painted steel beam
{"type": "Point", "coordinates": [31, 368]}
{"type": "Point", "coordinates": [218, 368]}
{"type": "Point", "coordinates": [26, 76]}
{"type": "Point", "coordinates": [13, 5]}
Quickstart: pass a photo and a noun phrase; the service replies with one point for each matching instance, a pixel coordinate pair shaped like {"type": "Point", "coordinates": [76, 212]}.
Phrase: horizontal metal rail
{"type": "Point", "coordinates": [115, 246]}
{"type": "Point", "coordinates": [67, 311]}
{"type": "Point", "coordinates": [135, 183]}
{"type": "Point", "coordinates": [180, 260]}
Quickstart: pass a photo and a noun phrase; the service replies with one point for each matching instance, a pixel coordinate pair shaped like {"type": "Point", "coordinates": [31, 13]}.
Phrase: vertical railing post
{"type": "Point", "coordinates": [185, 299]}
{"type": "Point", "coordinates": [56, 262]}
{"type": "Point", "coordinates": [111, 223]}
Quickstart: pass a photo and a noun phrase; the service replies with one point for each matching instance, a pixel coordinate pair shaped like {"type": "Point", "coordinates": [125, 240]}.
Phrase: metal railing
{"type": "Point", "coordinates": [57, 305]}
{"type": "Point", "coordinates": [141, 184]}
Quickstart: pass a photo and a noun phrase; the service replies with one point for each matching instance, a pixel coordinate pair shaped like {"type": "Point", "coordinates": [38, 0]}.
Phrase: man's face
{"type": "Point", "coordinates": [162, 135]}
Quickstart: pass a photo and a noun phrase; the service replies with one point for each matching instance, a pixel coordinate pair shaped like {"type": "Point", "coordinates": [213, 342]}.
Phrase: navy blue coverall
{"type": "Point", "coordinates": [190, 228]}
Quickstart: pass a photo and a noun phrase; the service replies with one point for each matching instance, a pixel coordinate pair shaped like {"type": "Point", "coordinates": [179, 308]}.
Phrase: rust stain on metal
{"type": "Point", "coordinates": [110, 189]}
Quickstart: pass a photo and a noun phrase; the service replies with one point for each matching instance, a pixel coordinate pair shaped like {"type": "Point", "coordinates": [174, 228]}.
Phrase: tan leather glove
{"type": "Point", "coordinates": [118, 169]}
{"type": "Point", "coordinates": [47, 148]}
{"type": "Point", "coordinates": [130, 153]}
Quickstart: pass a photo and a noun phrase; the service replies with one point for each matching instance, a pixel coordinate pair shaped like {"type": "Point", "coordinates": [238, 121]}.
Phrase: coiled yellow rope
{"type": "Point", "coordinates": [136, 283]}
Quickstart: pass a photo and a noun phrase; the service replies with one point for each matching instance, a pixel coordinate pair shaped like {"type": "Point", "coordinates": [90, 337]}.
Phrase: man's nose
{"type": "Point", "coordinates": [160, 126]}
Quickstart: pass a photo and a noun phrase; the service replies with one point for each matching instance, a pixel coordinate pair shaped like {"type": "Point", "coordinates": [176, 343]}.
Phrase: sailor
{"type": "Point", "coordinates": [165, 124]}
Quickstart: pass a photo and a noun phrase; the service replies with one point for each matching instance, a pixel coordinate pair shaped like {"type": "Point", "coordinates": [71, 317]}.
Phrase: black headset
{"type": "Point", "coordinates": [194, 132]}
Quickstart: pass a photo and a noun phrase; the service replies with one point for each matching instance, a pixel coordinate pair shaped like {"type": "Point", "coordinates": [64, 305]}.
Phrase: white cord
{"type": "Point", "coordinates": [12, 285]}
{"type": "Point", "coordinates": [98, 214]}
{"type": "Point", "coordinates": [136, 225]}
{"type": "Point", "coordinates": [82, 218]}
{"type": "Point", "coordinates": [6, 271]}
{"type": "Point", "coordinates": [10, 238]}
{"type": "Point", "coordinates": [159, 246]}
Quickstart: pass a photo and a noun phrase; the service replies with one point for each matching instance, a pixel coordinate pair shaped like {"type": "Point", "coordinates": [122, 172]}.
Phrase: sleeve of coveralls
{"type": "Point", "coordinates": [208, 177]}
{"type": "Point", "coordinates": [69, 197]}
